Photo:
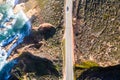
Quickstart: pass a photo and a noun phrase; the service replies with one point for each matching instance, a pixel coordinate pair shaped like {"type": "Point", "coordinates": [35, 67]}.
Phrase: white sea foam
{"type": "Point", "coordinates": [11, 26]}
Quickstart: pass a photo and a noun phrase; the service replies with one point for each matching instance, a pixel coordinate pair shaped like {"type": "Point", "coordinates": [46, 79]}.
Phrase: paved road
{"type": "Point", "coordinates": [68, 41]}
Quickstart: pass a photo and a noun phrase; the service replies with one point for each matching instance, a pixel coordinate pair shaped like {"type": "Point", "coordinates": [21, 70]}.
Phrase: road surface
{"type": "Point", "coordinates": [69, 75]}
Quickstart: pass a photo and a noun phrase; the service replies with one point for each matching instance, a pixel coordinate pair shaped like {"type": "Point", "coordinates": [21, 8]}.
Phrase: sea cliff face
{"type": "Point", "coordinates": [42, 49]}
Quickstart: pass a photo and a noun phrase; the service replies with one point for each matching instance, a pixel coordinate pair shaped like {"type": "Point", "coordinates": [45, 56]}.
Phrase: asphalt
{"type": "Point", "coordinates": [69, 75]}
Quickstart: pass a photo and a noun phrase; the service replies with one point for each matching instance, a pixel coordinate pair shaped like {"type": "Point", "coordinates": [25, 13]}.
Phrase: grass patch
{"type": "Point", "coordinates": [86, 65]}
{"type": "Point", "coordinates": [42, 3]}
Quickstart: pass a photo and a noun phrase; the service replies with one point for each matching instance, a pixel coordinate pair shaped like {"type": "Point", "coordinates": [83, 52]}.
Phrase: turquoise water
{"type": "Point", "coordinates": [12, 26]}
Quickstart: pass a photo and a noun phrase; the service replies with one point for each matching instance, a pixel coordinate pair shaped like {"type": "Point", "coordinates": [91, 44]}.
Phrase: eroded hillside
{"type": "Point", "coordinates": [40, 55]}
{"type": "Point", "coordinates": [97, 38]}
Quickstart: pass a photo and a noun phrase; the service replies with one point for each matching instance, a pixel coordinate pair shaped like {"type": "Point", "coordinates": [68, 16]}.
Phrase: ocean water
{"type": "Point", "coordinates": [12, 26]}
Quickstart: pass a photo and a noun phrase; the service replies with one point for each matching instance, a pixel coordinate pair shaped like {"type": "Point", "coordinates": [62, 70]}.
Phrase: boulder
{"type": "Point", "coordinates": [47, 29]}
{"type": "Point", "coordinates": [45, 26]}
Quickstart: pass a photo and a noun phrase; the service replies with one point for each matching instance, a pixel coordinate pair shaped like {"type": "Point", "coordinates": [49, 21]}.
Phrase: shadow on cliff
{"type": "Point", "coordinates": [29, 63]}
{"type": "Point", "coordinates": [100, 73]}
{"type": "Point", "coordinates": [41, 33]}
{"type": "Point", "coordinates": [22, 1]}
{"type": "Point", "coordinates": [37, 34]}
